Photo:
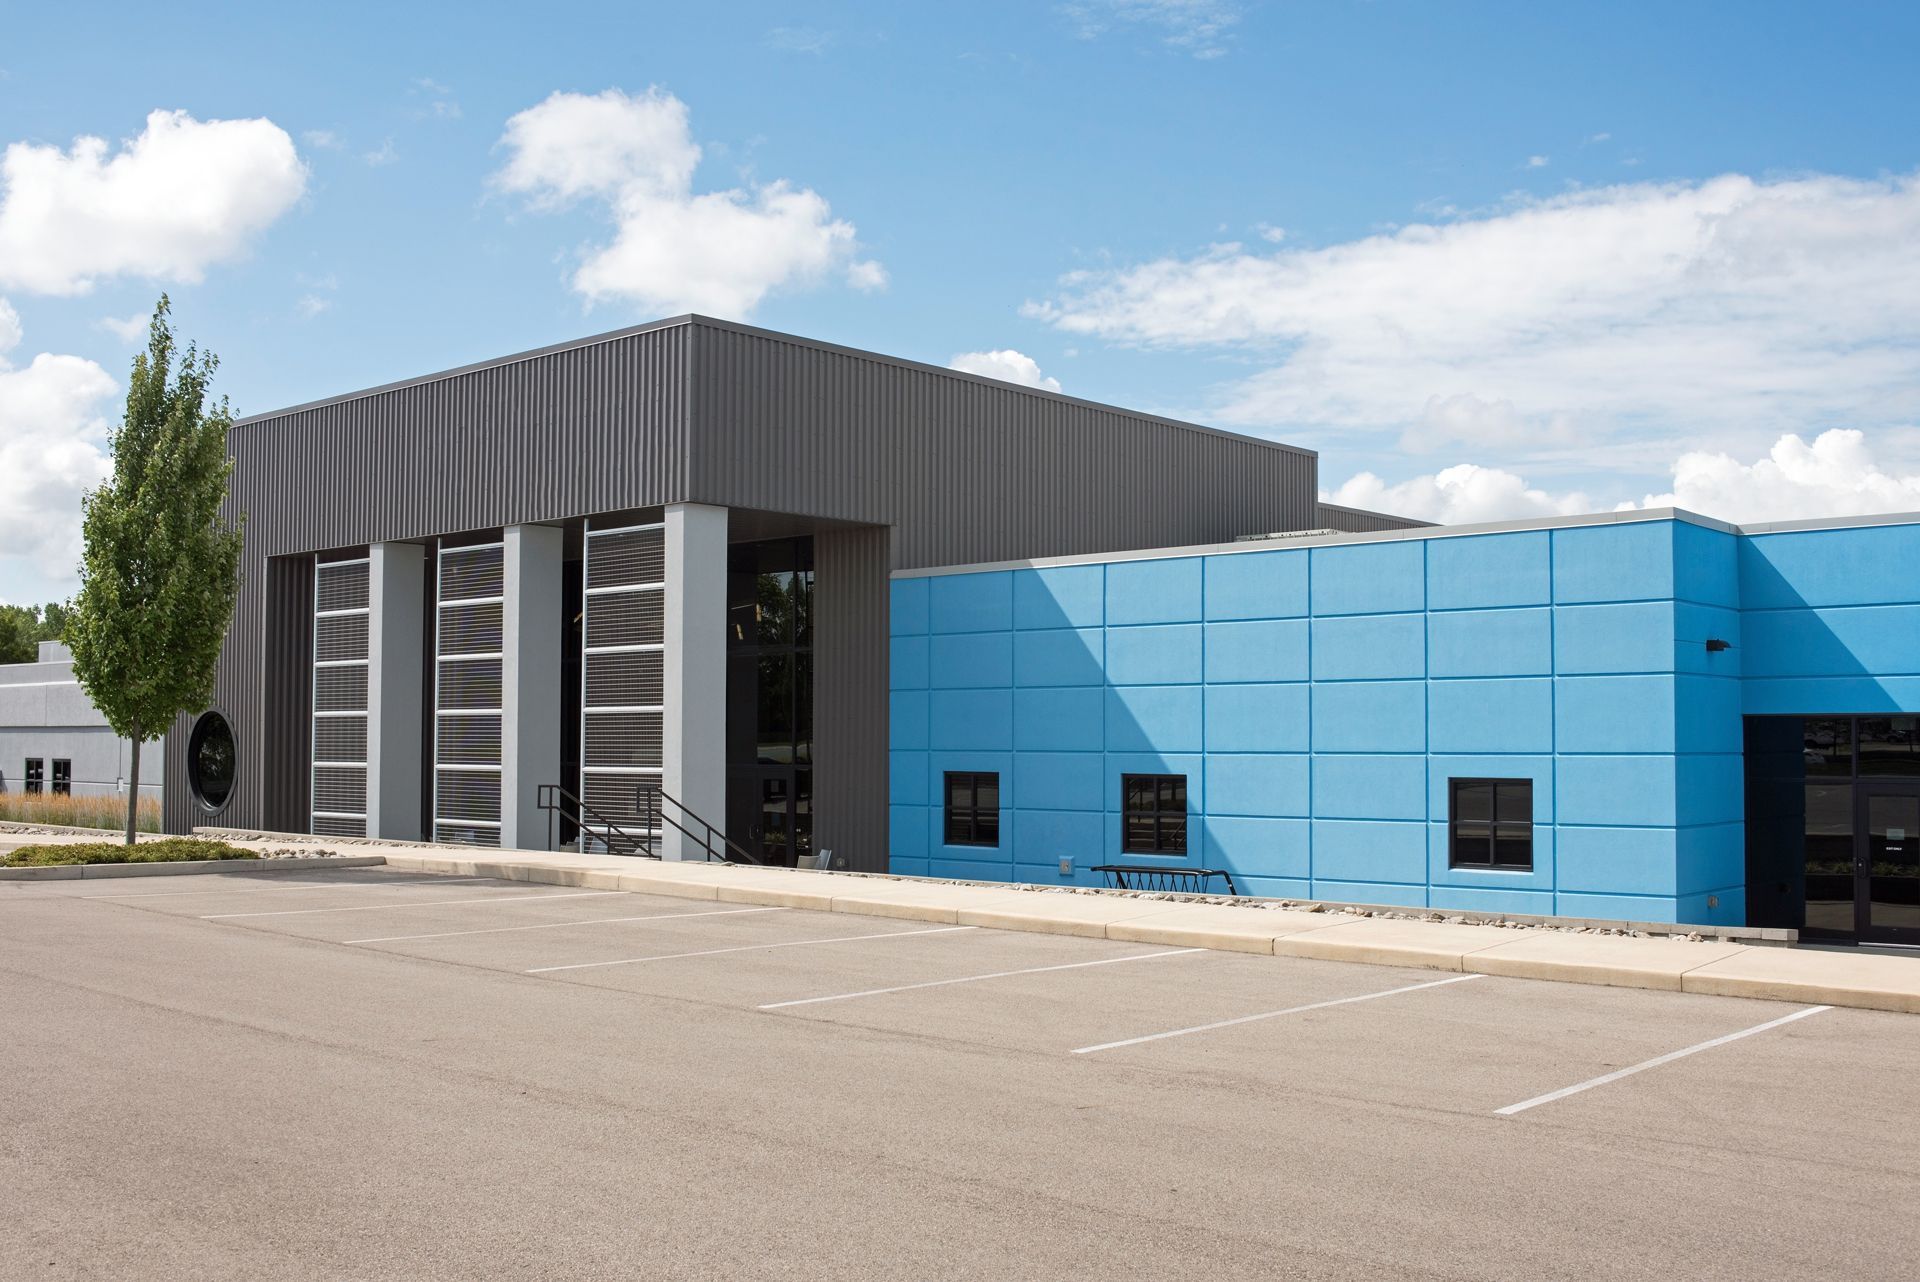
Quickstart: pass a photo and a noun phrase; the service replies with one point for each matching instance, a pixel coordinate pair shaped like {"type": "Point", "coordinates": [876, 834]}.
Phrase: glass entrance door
{"type": "Point", "coordinates": [1887, 863]}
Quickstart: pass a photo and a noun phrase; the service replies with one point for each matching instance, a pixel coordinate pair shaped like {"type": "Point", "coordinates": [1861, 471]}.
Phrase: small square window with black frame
{"type": "Point", "coordinates": [973, 808]}
{"type": "Point", "coordinates": [62, 778]}
{"type": "Point", "coordinates": [35, 774]}
{"type": "Point", "coordinates": [1490, 823]}
{"type": "Point", "coordinates": [1153, 814]}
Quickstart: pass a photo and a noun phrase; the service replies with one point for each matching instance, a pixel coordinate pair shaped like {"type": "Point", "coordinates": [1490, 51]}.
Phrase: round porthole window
{"type": "Point", "coordinates": [210, 761]}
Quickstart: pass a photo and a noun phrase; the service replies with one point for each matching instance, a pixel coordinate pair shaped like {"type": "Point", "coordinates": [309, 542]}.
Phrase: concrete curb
{"type": "Point", "coordinates": [184, 867]}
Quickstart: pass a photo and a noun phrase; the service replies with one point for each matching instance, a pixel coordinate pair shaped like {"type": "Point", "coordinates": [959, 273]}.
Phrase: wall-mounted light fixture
{"type": "Point", "coordinates": [1715, 645]}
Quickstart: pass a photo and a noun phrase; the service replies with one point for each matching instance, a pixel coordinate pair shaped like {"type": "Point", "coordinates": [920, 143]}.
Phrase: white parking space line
{"type": "Point", "coordinates": [1272, 1014]}
{"type": "Point", "coordinates": [974, 979]}
{"type": "Point", "coordinates": [561, 925]}
{"type": "Point", "coordinates": [424, 903]}
{"type": "Point", "coordinates": [1655, 1062]}
{"type": "Point", "coordinates": [262, 890]}
{"type": "Point", "coordinates": [753, 948]}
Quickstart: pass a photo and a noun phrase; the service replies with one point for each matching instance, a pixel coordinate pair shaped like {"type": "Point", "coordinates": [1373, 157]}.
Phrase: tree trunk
{"type": "Point", "coordinates": [133, 788]}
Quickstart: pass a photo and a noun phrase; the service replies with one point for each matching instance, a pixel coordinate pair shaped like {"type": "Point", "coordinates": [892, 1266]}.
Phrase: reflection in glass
{"type": "Point", "coordinates": [1893, 860]}
{"type": "Point", "coordinates": [1829, 747]}
{"type": "Point", "coordinates": [1888, 747]}
{"type": "Point", "coordinates": [1829, 855]}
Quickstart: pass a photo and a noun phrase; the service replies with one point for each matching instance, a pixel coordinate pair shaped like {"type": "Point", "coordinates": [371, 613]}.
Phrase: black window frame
{"type": "Point", "coordinates": [1166, 818]}
{"type": "Point", "coordinates": [971, 824]}
{"type": "Point", "coordinates": [33, 778]}
{"type": "Point", "coordinates": [1495, 826]}
{"type": "Point", "coordinates": [61, 777]}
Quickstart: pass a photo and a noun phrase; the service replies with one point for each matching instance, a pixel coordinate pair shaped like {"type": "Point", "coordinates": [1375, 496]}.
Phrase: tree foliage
{"type": "Point", "coordinates": [24, 627]}
{"type": "Point", "coordinates": [160, 571]}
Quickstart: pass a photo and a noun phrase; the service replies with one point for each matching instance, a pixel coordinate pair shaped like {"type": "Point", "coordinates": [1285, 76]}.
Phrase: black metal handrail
{"type": "Point", "coordinates": [649, 797]}
{"type": "Point", "coordinates": [1160, 877]}
{"type": "Point", "coordinates": [549, 798]}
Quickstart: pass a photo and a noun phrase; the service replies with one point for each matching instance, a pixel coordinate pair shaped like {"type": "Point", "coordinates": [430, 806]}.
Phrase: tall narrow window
{"type": "Point", "coordinates": [35, 774]}
{"type": "Point", "coordinates": [1491, 823]}
{"type": "Point", "coordinates": [973, 808]}
{"type": "Point", "coordinates": [62, 778]}
{"type": "Point", "coordinates": [1153, 816]}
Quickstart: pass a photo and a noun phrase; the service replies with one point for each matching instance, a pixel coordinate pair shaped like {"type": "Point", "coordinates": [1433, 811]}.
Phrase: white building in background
{"type": "Point", "coordinates": [53, 740]}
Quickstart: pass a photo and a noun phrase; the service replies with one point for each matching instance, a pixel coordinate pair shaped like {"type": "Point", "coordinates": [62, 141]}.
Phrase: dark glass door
{"type": "Point", "coordinates": [770, 698]}
{"type": "Point", "coordinates": [1887, 862]}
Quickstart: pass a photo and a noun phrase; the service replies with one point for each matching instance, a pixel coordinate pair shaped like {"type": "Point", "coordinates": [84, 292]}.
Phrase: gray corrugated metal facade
{"type": "Point", "coordinates": [1357, 520]}
{"type": "Point", "coordinates": [887, 464]}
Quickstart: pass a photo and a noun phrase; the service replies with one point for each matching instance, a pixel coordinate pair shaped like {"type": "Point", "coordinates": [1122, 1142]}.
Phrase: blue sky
{"type": "Point", "coordinates": [1489, 259]}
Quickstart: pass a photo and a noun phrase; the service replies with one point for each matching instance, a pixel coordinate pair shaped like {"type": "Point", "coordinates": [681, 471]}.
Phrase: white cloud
{"type": "Point", "coordinates": [673, 250]}
{"type": "Point", "coordinates": [1006, 364]}
{"type": "Point", "coordinates": [1538, 162]}
{"type": "Point", "coordinates": [1202, 28]}
{"type": "Point", "coordinates": [440, 102]}
{"type": "Point", "coordinates": [311, 305]}
{"type": "Point", "coordinates": [1271, 234]}
{"type": "Point", "coordinates": [1642, 317]}
{"type": "Point", "coordinates": [182, 196]}
{"type": "Point", "coordinates": [52, 439]}
{"type": "Point", "coordinates": [799, 39]}
{"type": "Point", "coordinates": [127, 329]}
{"type": "Point", "coordinates": [1457, 495]}
{"type": "Point", "coordinates": [381, 156]}
{"type": "Point", "coordinates": [323, 139]}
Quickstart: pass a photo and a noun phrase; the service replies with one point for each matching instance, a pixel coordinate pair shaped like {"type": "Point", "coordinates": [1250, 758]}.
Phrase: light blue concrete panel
{"type": "Point", "coordinates": [1811, 696]}
{"type": "Point", "coordinates": [1369, 647]}
{"type": "Point", "coordinates": [1383, 893]}
{"type": "Point", "coordinates": [1617, 861]}
{"type": "Point", "coordinates": [1059, 720]}
{"type": "Point", "coordinates": [1828, 567]}
{"type": "Point", "coordinates": [1615, 790]}
{"type": "Point", "coordinates": [1045, 837]}
{"type": "Point", "coordinates": [1257, 847]}
{"type": "Point", "coordinates": [1059, 780]}
{"type": "Point", "coordinates": [1273, 786]}
{"type": "Point", "coordinates": [1705, 565]}
{"type": "Point", "coordinates": [970, 602]}
{"type": "Point", "coordinates": [1879, 640]}
{"type": "Point", "coordinates": [903, 866]}
{"type": "Point", "coordinates": [1257, 718]}
{"type": "Point", "coordinates": [1693, 626]}
{"type": "Point", "coordinates": [1050, 874]}
{"type": "Point", "coordinates": [1629, 562]}
{"type": "Point", "coordinates": [1369, 850]}
{"type": "Point", "coordinates": [1154, 591]}
{"type": "Point", "coordinates": [1370, 716]}
{"type": "Point", "coordinates": [1723, 907]}
{"type": "Point", "coordinates": [1490, 899]}
{"type": "Point", "coordinates": [970, 660]}
{"type": "Point", "coordinates": [907, 719]}
{"type": "Point", "coordinates": [906, 833]}
{"type": "Point", "coordinates": [1711, 789]}
{"type": "Point", "coordinates": [1154, 719]}
{"type": "Point", "coordinates": [907, 779]}
{"type": "Point", "coordinates": [1707, 714]}
{"type": "Point", "coordinates": [1165, 655]}
{"type": "Point", "coordinates": [1621, 637]}
{"type": "Point", "coordinates": [1260, 650]}
{"type": "Point", "coordinates": [1442, 769]}
{"type": "Point", "coordinates": [1257, 585]}
{"type": "Point", "coordinates": [977, 720]}
{"type": "Point", "coordinates": [1489, 570]}
{"type": "Point", "coordinates": [947, 863]}
{"type": "Point", "coordinates": [1370, 578]}
{"type": "Point", "coordinates": [1064, 657]}
{"type": "Point", "coordinates": [1712, 857]}
{"type": "Point", "coordinates": [1441, 872]}
{"type": "Point", "coordinates": [1274, 887]}
{"type": "Point", "coordinates": [1504, 717]}
{"type": "Point", "coordinates": [1616, 907]}
{"type": "Point", "coordinates": [1490, 643]}
{"type": "Point", "coordinates": [907, 663]}
{"type": "Point", "coordinates": [1192, 765]}
{"type": "Point", "coordinates": [1370, 787]}
{"type": "Point", "coordinates": [907, 607]}
{"type": "Point", "coordinates": [1060, 596]}
{"type": "Point", "coordinates": [1614, 714]}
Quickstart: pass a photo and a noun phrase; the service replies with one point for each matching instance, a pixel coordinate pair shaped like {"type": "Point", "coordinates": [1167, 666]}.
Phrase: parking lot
{"type": "Point", "coordinates": [368, 1074]}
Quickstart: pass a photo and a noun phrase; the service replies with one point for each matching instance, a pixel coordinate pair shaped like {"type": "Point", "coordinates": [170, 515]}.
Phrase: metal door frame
{"type": "Point", "coordinates": [1863, 930]}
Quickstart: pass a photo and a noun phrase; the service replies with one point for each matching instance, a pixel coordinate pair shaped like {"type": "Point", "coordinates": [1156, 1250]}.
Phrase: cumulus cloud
{"type": "Point", "coordinates": [52, 450]}
{"type": "Point", "coordinates": [1007, 365]}
{"type": "Point", "coordinates": [127, 329]}
{"type": "Point", "coordinates": [183, 195]}
{"type": "Point", "coordinates": [633, 156]}
{"type": "Point", "coordinates": [1723, 313]}
{"type": "Point", "coordinates": [1457, 495]}
{"type": "Point", "coordinates": [1203, 28]}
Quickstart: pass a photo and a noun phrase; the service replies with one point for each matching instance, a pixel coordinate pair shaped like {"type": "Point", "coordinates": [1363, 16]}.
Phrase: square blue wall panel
{"type": "Point", "coordinates": [1385, 893]}
{"type": "Point", "coordinates": [1167, 654]}
{"type": "Point", "coordinates": [1154, 591]}
{"type": "Point", "coordinates": [1711, 788]}
{"type": "Point", "coordinates": [907, 832]}
{"type": "Point", "coordinates": [1257, 585]}
{"type": "Point", "coordinates": [1826, 567]}
{"type": "Point", "coordinates": [979, 720]}
{"type": "Point", "coordinates": [1616, 791]}
{"type": "Point", "coordinates": [1064, 657]}
{"type": "Point", "coordinates": [1370, 788]}
{"type": "Point", "coordinates": [1614, 714]}
{"type": "Point", "coordinates": [1616, 907]}
{"type": "Point", "coordinates": [1712, 857]}
{"type": "Point", "coordinates": [907, 779]}
{"type": "Point", "coordinates": [1274, 786]}
{"type": "Point", "coordinates": [1490, 643]}
{"type": "Point", "coordinates": [1154, 718]}
{"type": "Point", "coordinates": [1370, 578]}
{"type": "Point", "coordinates": [1369, 647]}
{"type": "Point", "coordinates": [970, 602]}
{"type": "Point", "coordinates": [1259, 650]}
{"type": "Point", "coordinates": [1060, 596]}
{"type": "Point", "coordinates": [1441, 769]}
{"type": "Point", "coordinates": [1440, 870]}
{"type": "Point", "coordinates": [947, 861]}
{"type": "Point", "coordinates": [1059, 720]}
{"type": "Point", "coordinates": [907, 725]}
{"type": "Point", "coordinates": [1257, 718]}
{"type": "Point", "coordinates": [1619, 637]}
{"type": "Point", "coordinates": [1617, 861]}
{"type": "Point", "coordinates": [1059, 780]}
{"type": "Point", "coordinates": [1882, 640]}
{"type": "Point", "coordinates": [1489, 570]}
{"type": "Point", "coordinates": [907, 663]}
{"type": "Point", "coordinates": [1625, 562]}
{"type": "Point", "coordinates": [1047, 836]}
{"type": "Point", "coordinates": [1257, 847]}
{"type": "Point", "coordinates": [970, 660]}
{"type": "Point", "coordinates": [1490, 899]}
{"type": "Point", "coordinates": [1369, 851]}
{"type": "Point", "coordinates": [1705, 565]}
{"type": "Point", "coordinates": [1491, 716]}
{"type": "Point", "coordinates": [1693, 626]}
{"type": "Point", "coordinates": [1370, 716]}
{"type": "Point", "coordinates": [907, 607]}
{"type": "Point", "coordinates": [1707, 713]}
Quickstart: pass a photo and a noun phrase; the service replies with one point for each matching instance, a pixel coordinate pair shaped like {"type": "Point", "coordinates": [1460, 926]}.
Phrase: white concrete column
{"type": "Point", "coordinates": [693, 734]}
{"type": "Point", "coordinates": [396, 632]}
{"type": "Point", "coordinates": [530, 681]}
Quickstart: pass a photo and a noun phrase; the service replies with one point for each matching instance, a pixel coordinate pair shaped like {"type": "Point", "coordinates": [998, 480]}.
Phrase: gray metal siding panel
{"type": "Point", "coordinates": [1354, 520]}
{"type": "Point", "coordinates": [850, 596]}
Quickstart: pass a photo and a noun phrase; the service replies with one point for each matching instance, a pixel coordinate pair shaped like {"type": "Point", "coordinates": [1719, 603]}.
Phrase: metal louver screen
{"type": "Point", "coordinates": [471, 629]}
{"type": "Point", "coordinates": [337, 826]}
{"type": "Point", "coordinates": [470, 741]}
{"type": "Point", "coordinates": [340, 739]}
{"type": "Point", "coordinates": [340, 636]}
{"type": "Point", "coordinates": [626, 618]}
{"type": "Point", "coordinates": [627, 558]}
{"type": "Point", "coordinates": [468, 695]}
{"type": "Point", "coordinates": [340, 689]}
{"type": "Point", "coordinates": [475, 683]}
{"type": "Point", "coordinates": [466, 573]}
{"type": "Point", "coordinates": [623, 664]}
{"type": "Point", "coordinates": [622, 739]}
{"type": "Point", "coordinates": [340, 586]}
{"type": "Point", "coordinates": [466, 835]}
{"type": "Point", "coordinates": [625, 679]}
{"type": "Point", "coordinates": [467, 795]}
{"type": "Point", "coordinates": [338, 748]}
{"type": "Point", "coordinates": [616, 796]}
{"type": "Point", "coordinates": [340, 790]}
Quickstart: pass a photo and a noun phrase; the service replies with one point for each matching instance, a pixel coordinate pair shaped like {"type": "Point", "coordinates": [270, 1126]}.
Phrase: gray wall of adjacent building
{"type": "Point", "coordinates": [46, 716]}
{"type": "Point", "coordinates": [891, 465]}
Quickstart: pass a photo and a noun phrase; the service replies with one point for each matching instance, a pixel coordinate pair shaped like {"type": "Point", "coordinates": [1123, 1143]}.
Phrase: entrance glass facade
{"type": "Point", "coordinates": [770, 698]}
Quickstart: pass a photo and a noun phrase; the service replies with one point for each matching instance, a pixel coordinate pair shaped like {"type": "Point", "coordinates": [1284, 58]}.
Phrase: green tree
{"type": "Point", "coordinates": [161, 566]}
{"type": "Point", "coordinates": [18, 624]}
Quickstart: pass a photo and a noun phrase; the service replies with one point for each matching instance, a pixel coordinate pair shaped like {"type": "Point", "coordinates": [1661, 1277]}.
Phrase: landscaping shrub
{"type": "Point", "coordinates": [170, 850]}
